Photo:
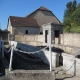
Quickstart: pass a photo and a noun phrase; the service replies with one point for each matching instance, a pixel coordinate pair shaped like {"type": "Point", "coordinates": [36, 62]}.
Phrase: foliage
{"type": "Point", "coordinates": [76, 16]}
{"type": "Point", "coordinates": [67, 29]}
{"type": "Point", "coordinates": [72, 17]}
{"type": "Point", "coordinates": [68, 10]}
{"type": "Point", "coordinates": [67, 24]}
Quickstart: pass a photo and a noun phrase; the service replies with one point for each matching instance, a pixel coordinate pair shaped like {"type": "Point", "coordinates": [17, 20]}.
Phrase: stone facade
{"type": "Point", "coordinates": [52, 28]}
{"type": "Point", "coordinates": [44, 17]}
{"type": "Point", "coordinates": [39, 40]}
{"type": "Point", "coordinates": [35, 19]}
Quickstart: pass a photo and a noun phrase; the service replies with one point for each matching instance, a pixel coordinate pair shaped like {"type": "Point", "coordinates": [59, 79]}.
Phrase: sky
{"type": "Point", "coordinates": [24, 7]}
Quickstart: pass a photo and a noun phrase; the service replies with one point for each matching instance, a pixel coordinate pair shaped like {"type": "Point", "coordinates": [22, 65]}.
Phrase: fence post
{"type": "Point", "coordinates": [50, 51]}
{"type": "Point", "coordinates": [11, 58]}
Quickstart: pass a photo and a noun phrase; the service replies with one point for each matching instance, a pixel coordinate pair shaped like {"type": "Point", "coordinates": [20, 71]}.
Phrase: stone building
{"type": "Point", "coordinates": [43, 16]}
{"type": "Point", "coordinates": [34, 23]}
{"type": "Point", "coordinates": [52, 31]}
{"type": "Point", "coordinates": [22, 25]}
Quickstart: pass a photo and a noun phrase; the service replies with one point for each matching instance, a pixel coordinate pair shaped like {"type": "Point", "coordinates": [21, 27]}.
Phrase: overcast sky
{"type": "Point", "coordinates": [24, 7]}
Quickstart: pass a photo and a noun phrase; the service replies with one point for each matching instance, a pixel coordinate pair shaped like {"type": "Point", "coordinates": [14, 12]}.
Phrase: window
{"type": "Point", "coordinates": [41, 33]}
{"type": "Point", "coordinates": [26, 32]}
{"type": "Point", "coordinates": [56, 33]}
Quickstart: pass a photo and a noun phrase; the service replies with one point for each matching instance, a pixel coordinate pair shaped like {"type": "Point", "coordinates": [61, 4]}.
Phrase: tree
{"type": "Point", "coordinates": [76, 16]}
{"type": "Point", "coordinates": [68, 10]}
{"type": "Point", "coordinates": [74, 6]}
{"type": "Point", "coordinates": [68, 21]}
{"type": "Point", "coordinates": [67, 24]}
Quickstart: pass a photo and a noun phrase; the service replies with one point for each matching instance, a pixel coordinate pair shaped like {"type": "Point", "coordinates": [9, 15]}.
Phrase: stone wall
{"type": "Point", "coordinates": [67, 48]}
{"type": "Point", "coordinates": [36, 40]}
{"type": "Point", "coordinates": [71, 64]}
{"type": "Point", "coordinates": [71, 39]}
{"type": "Point", "coordinates": [30, 75]}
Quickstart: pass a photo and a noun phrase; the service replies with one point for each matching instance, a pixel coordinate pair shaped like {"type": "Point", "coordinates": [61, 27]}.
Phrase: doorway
{"type": "Point", "coordinates": [56, 33]}
{"type": "Point", "coordinates": [46, 36]}
{"type": "Point", "coordinates": [56, 36]}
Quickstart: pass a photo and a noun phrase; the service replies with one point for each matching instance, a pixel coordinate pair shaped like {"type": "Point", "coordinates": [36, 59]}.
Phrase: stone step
{"type": "Point", "coordinates": [31, 75]}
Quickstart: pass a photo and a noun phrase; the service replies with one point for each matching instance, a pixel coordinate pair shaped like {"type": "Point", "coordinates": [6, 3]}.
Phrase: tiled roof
{"type": "Point", "coordinates": [22, 21]}
{"type": "Point", "coordinates": [41, 8]}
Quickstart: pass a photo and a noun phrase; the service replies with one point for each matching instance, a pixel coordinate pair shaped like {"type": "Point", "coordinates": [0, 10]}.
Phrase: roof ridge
{"type": "Point", "coordinates": [40, 8]}
{"type": "Point", "coordinates": [43, 8]}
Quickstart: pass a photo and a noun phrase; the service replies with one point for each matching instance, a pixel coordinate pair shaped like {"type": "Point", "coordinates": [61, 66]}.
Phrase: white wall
{"type": "Point", "coordinates": [22, 29]}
